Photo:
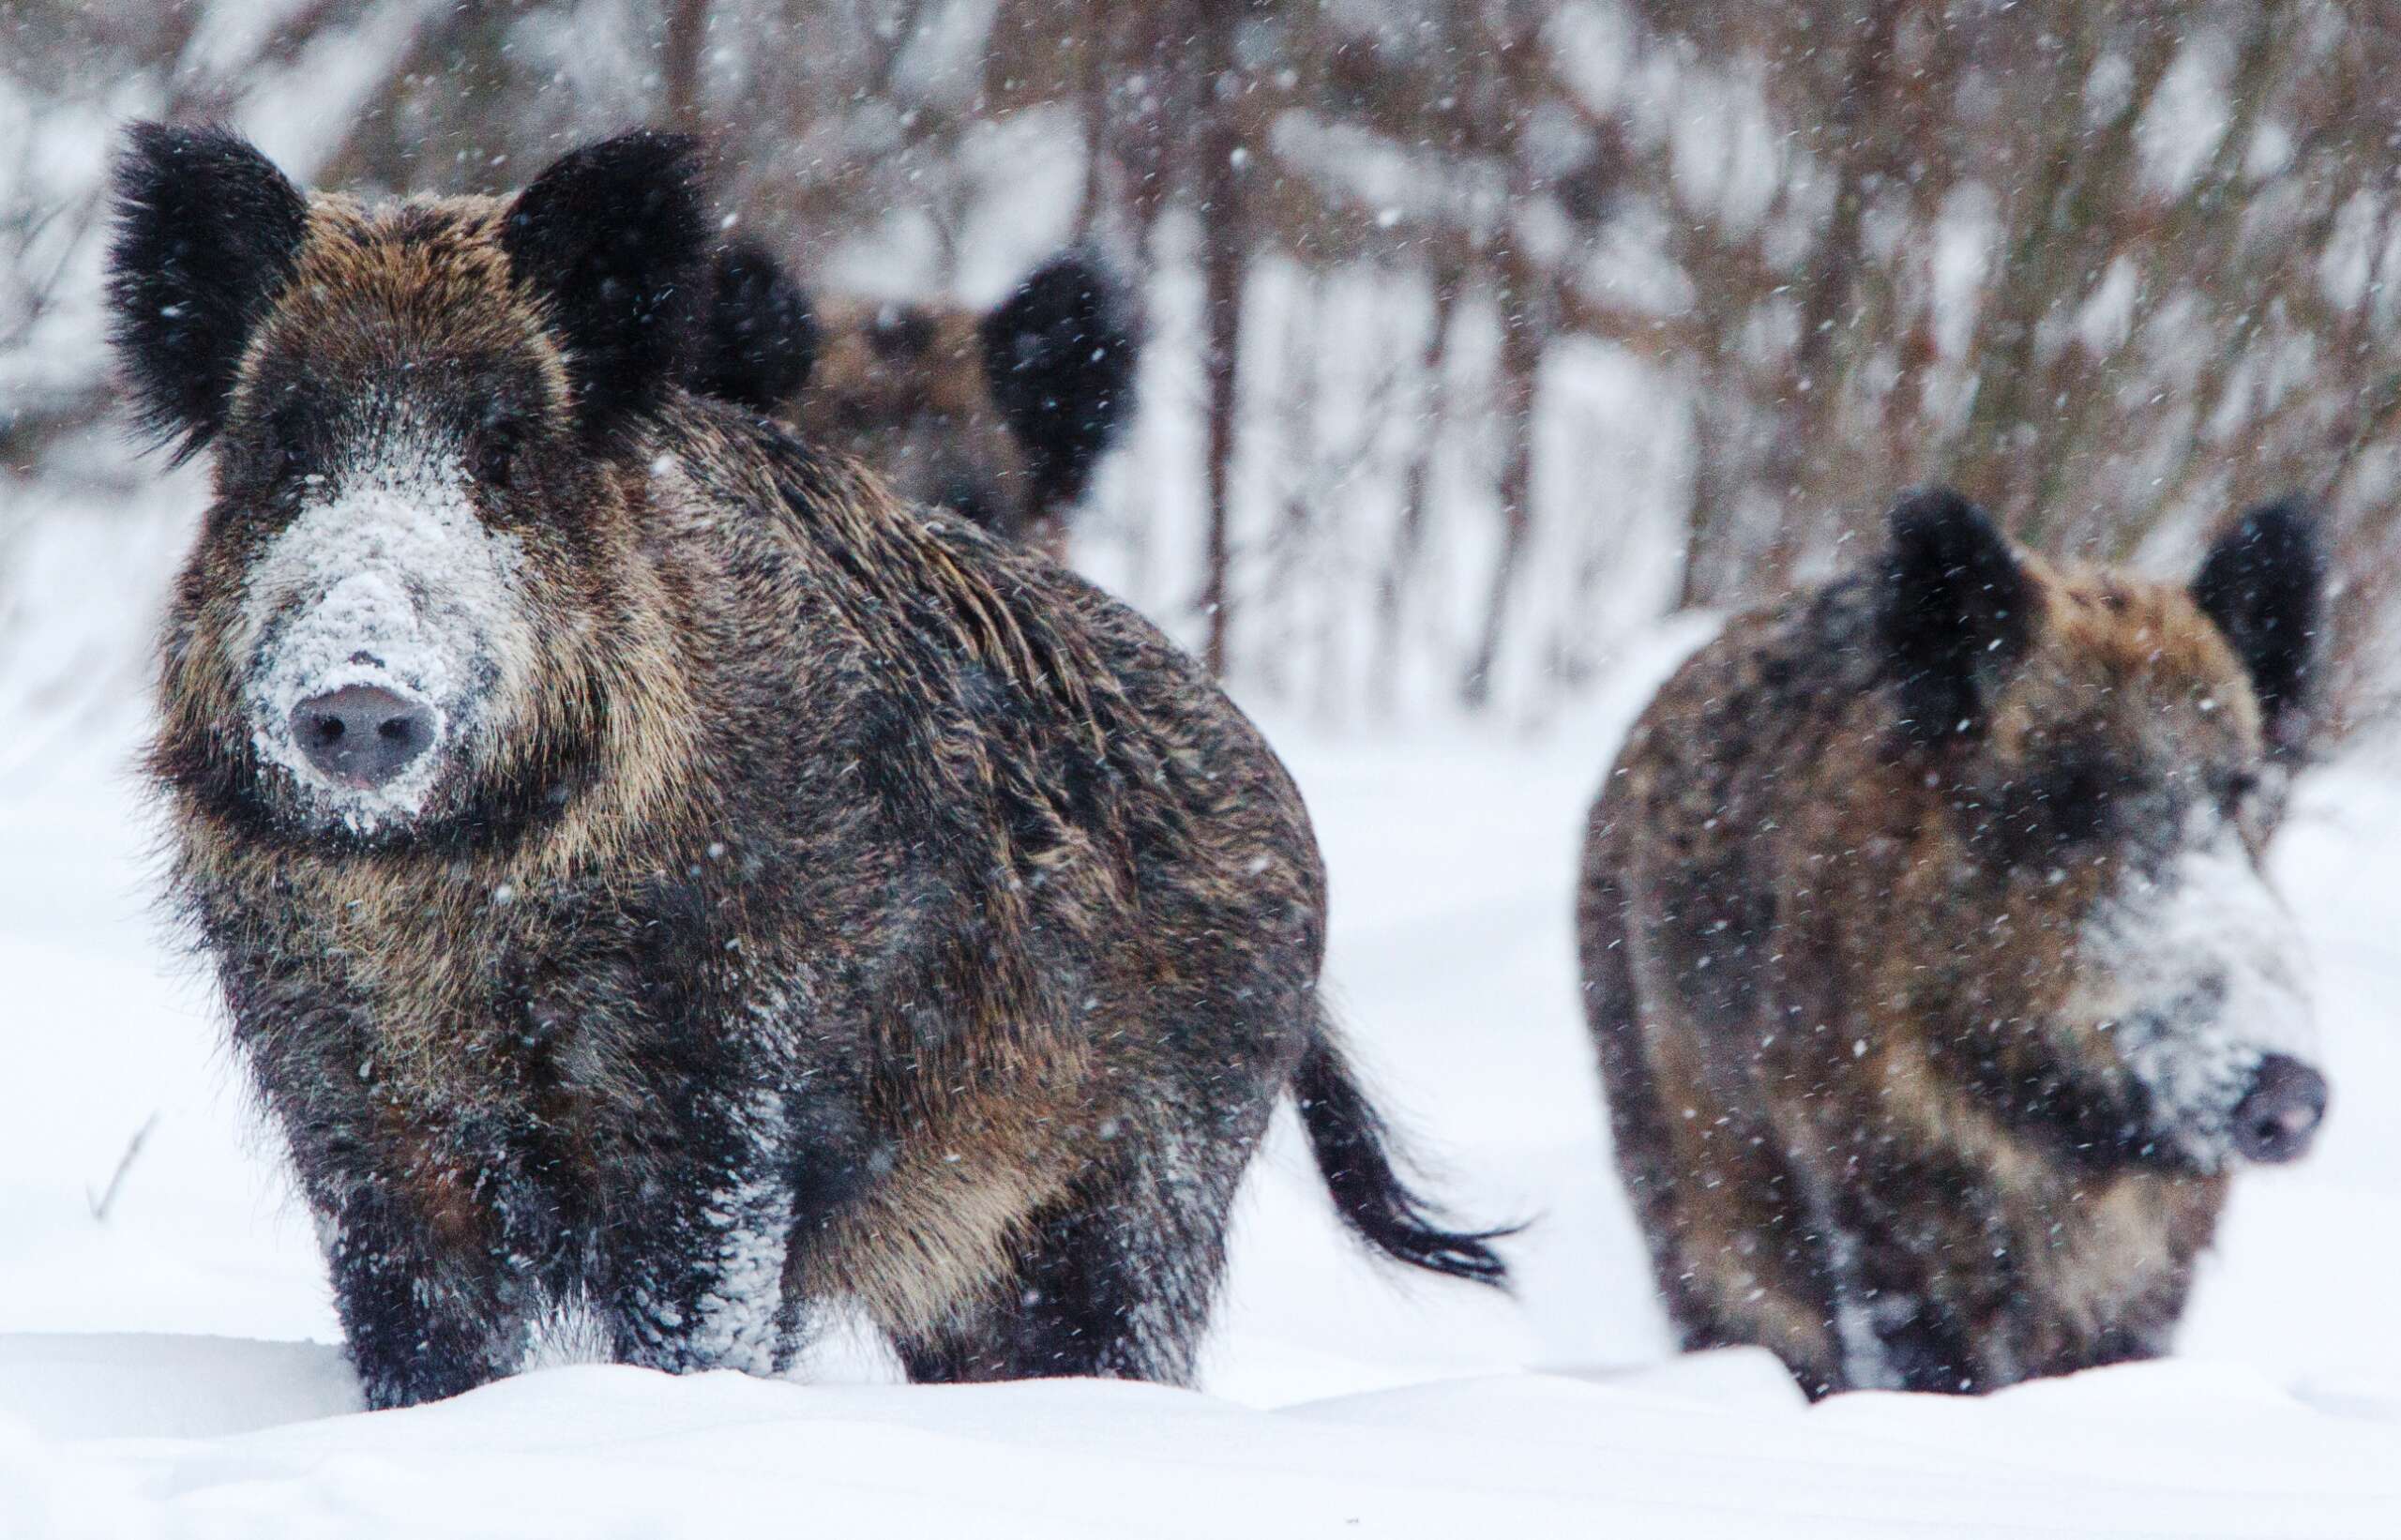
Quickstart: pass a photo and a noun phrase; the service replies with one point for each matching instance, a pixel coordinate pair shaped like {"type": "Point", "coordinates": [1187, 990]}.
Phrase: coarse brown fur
{"type": "Point", "coordinates": [1000, 416]}
{"type": "Point", "coordinates": [901, 387]}
{"type": "Point", "coordinates": [833, 904]}
{"type": "Point", "coordinates": [1830, 960]}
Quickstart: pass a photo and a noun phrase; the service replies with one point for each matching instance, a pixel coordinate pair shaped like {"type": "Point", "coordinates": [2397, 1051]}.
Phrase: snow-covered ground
{"type": "Point", "coordinates": [168, 1368]}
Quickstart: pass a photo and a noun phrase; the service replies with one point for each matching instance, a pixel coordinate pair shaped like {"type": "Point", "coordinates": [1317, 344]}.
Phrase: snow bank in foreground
{"type": "Point", "coordinates": [1339, 1400]}
{"type": "Point", "coordinates": [1715, 1446]}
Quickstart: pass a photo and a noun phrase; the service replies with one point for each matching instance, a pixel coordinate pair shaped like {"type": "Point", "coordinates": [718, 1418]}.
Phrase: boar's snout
{"type": "Point", "coordinates": [362, 735]}
{"type": "Point", "coordinates": [2277, 1119]}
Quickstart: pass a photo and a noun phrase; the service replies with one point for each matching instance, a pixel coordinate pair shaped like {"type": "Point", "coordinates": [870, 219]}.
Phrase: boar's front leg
{"type": "Point", "coordinates": [437, 1291]}
{"type": "Point", "coordinates": [693, 1257]}
{"type": "Point", "coordinates": [422, 1318]}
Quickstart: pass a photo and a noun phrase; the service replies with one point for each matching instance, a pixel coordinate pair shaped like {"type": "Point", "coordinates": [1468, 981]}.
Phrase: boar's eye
{"type": "Point", "coordinates": [2071, 801]}
{"type": "Point", "coordinates": [496, 448]}
{"type": "Point", "coordinates": [288, 442]}
{"type": "Point", "coordinates": [2235, 788]}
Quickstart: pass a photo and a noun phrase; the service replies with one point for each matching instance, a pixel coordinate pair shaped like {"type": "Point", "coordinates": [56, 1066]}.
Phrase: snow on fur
{"type": "Point", "coordinates": [387, 578]}
{"type": "Point", "coordinates": [2200, 971]}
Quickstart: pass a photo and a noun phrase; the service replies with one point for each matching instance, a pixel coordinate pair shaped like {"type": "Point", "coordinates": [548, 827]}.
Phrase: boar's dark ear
{"type": "Point", "coordinates": [2261, 585]}
{"type": "Point", "coordinates": [1956, 611]}
{"type": "Point", "coordinates": [759, 340]}
{"type": "Point", "coordinates": [612, 236]}
{"type": "Point", "coordinates": [1059, 357]}
{"type": "Point", "coordinates": [207, 229]}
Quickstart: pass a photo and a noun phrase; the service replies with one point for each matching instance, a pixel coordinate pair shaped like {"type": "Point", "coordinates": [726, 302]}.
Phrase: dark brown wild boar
{"type": "Point", "coordinates": [1935, 984]}
{"type": "Point", "coordinates": [1001, 416]}
{"type": "Point", "coordinates": [654, 872]}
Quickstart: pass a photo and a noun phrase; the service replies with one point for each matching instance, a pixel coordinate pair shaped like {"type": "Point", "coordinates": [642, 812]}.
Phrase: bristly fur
{"type": "Point", "coordinates": [1926, 955]}
{"type": "Point", "coordinates": [207, 230]}
{"type": "Point", "coordinates": [1059, 354]}
{"type": "Point", "coordinates": [1954, 608]}
{"type": "Point", "coordinates": [2261, 585]}
{"type": "Point", "coordinates": [1001, 417]}
{"type": "Point", "coordinates": [760, 338]}
{"type": "Point", "coordinates": [612, 236]}
{"type": "Point", "coordinates": [809, 899]}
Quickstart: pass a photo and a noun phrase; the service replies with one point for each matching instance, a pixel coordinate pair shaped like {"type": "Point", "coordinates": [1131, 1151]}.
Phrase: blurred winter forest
{"type": "Point", "coordinates": [1482, 333]}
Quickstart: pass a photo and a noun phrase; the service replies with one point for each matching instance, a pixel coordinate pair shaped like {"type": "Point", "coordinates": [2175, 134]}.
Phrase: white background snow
{"type": "Point", "coordinates": [170, 1370]}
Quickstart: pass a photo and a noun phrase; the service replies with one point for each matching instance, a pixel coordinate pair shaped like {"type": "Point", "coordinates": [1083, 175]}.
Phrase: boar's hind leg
{"type": "Point", "coordinates": [1116, 1283]}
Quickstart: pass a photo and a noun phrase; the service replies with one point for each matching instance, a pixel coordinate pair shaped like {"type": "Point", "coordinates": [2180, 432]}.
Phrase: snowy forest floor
{"type": "Point", "coordinates": [168, 1368]}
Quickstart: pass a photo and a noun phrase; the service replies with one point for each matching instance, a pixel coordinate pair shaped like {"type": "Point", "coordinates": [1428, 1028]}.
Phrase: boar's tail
{"type": "Point", "coordinates": [1352, 1148]}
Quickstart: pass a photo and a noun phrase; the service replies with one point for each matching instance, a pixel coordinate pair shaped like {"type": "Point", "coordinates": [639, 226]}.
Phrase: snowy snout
{"type": "Point", "coordinates": [2200, 978]}
{"type": "Point", "coordinates": [363, 735]}
{"type": "Point", "coordinates": [386, 630]}
{"type": "Point", "coordinates": [358, 692]}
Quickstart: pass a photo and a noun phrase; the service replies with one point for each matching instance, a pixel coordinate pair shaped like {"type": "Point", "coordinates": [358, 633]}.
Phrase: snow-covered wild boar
{"type": "Point", "coordinates": [655, 874]}
{"type": "Point", "coordinates": [1000, 416]}
{"type": "Point", "coordinates": [1936, 985]}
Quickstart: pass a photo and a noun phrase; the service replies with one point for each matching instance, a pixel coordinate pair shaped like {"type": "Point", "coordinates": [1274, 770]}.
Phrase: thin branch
{"type": "Point", "coordinates": [102, 1204]}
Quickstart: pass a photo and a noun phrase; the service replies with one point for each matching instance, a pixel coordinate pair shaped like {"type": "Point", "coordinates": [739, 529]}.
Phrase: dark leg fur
{"type": "Point", "coordinates": [1954, 1307]}
{"type": "Point", "coordinates": [1927, 1344]}
{"type": "Point", "coordinates": [416, 1324]}
{"type": "Point", "coordinates": [695, 1269]}
{"type": "Point", "coordinates": [1073, 1315]}
{"type": "Point", "coordinates": [437, 1291]}
{"type": "Point", "coordinates": [1643, 1144]}
{"type": "Point", "coordinates": [1638, 1135]}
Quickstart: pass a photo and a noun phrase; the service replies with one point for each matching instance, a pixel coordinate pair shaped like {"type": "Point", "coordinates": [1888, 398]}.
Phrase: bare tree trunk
{"type": "Point", "coordinates": [1409, 534]}
{"type": "Point", "coordinates": [1706, 513]}
{"type": "Point", "coordinates": [1092, 106]}
{"type": "Point", "coordinates": [2055, 243]}
{"type": "Point", "coordinates": [679, 64]}
{"type": "Point", "coordinates": [1526, 323]}
{"type": "Point", "coordinates": [1222, 265]}
{"type": "Point", "coordinates": [1523, 331]}
{"type": "Point", "coordinates": [1812, 397]}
